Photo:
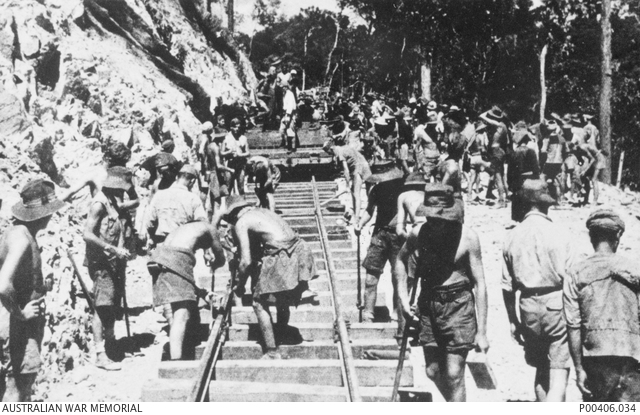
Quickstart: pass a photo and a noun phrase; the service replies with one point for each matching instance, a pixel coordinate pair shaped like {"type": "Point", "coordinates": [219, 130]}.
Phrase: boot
{"type": "Point", "coordinates": [103, 361]}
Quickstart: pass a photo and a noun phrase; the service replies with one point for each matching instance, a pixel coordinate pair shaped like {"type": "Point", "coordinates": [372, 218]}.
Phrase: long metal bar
{"type": "Point", "coordinates": [345, 342]}
{"type": "Point", "coordinates": [211, 352]}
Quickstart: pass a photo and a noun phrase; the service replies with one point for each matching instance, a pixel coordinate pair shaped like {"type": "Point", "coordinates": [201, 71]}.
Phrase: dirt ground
{"type": "Point", "coordinates": [515, 378]}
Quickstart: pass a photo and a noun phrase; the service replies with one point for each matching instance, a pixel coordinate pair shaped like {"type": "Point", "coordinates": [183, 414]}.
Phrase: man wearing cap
{"type": "Point", "coordinates": [409, 200]}
{"type": "Point", "coordinates": [174, 206]}
{"type": "Point", "coordinates": [452, 306]}
{"type": "Point", "coordinates": [106, 258]}
{"type": "Point", "coordinates": [267, 177]}
{"type": "Point", "coordinates": [499, 142]}
{"type": "Point", "coordinates": [171, 266]}
{"type": "Point", "coordinates": [279, 263]}
{"type": "Point", "coordinates": [167, 167]}
{"type": "Point", "coordinates": [22, 290]}
{"type": "Point", "coordinates": [523, 165]}
{"type": "Point", "coordinates": [601, 309]}
{"type": "Point", "coordinates": [386, 182]}
{"type": "Point", "coordinates": [537, 256]}
{"type": "Point", "coordinates": [355, 168]}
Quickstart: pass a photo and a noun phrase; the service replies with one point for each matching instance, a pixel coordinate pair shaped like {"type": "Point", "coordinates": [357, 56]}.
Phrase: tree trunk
{"type": "Point", "coordinates": [425, 80]}
{"type": "Point", "coordinates": [231, 15]}
{"type": "Point", "coordinates": [605, 88]}
{"type": "Point", "coordinates": [335, 45]}
{"type": "Point", "coordinates": [304, 72]}
{"type": "Point", "coordinates": [543, 81]}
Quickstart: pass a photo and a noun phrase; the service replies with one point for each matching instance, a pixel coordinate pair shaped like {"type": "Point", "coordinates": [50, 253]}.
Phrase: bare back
{"type": "Point", "coordinates": [266, 225]}
{"type": "Point", "coordinates": [410, 201]}
{"type": "Point", "coordinates": [193, 236]}
{"type": "Point", "coordinates": [20, 253]}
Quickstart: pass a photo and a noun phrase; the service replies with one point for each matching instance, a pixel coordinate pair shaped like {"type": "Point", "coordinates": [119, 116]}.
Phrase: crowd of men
{"type": "Point", "coordinates": [411, 161]}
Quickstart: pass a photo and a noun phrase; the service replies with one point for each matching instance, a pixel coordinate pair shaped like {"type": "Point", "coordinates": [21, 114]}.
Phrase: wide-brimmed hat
{"type": "Point", "coordinates": [588, 117]}
{"type": "Point", "coordinates": [432, 117]}
{"type": "Point", "coordinates": [432, 106]}
{"type": "Point", "coordinates": [576, 119]}
{"type": "Point", "coordinates": [566, 120]}
{"type": "Point", "coordinates": [415, 179]}
{"type": "Point", "coordinates": [496, 114]}
{"type": "Point", "coordinates": [118, 177]}
{"type": "Point", "coordinates": [38, 201]}
{"type": "Point", "coordinates": [384, 172]}
{"type": "Point", "coordinates": [439, 202]}
{"type": "Point", "coordinates": [536, 192]}
{"type": "Point", "coordinates": [235, 203]}
{"type": "Point", "coordinates": [381, 121]}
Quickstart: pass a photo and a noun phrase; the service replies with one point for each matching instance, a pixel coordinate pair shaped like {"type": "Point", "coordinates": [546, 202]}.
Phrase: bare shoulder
{"type": "Point", "coordinates": [470, 238]}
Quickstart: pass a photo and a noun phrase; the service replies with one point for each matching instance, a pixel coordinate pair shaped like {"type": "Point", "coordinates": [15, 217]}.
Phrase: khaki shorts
{"type": "Point", "coordinates": [544, 331]}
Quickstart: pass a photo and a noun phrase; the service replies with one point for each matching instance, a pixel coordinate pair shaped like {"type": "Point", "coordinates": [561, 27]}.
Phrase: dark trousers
{"type": "Point", "coordinates": [612, 379]}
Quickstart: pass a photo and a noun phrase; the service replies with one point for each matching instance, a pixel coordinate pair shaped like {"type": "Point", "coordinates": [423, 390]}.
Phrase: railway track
{"type": "Point", "coordinates": [323, 346]}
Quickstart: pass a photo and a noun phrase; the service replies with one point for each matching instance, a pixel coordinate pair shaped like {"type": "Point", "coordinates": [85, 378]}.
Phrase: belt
{"type": "Point", "coordinates": [446, 293]}
{"type": "Point", "coordinates": [536, 292]}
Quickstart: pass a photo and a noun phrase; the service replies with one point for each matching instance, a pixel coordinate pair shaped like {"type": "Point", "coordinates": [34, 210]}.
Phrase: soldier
{"type": "Point", "coordinates": [22, 290]}
{"type": "Point", "coordinates": [279, 262]}
{"type": "Point", "coordinates": [449, 265]}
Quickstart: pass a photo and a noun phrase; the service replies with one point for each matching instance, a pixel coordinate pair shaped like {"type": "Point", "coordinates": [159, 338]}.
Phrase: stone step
{"type": "Point", "coordinates": [166, 390]}
{"type": "Point", "coordinates": [296, 334]}
{"type": "Point", "coordinates": [311, 372]}
{"type": "Point", "coordinates": [321, 349]}
{"type": "Point", "coordinates": [230, 391]}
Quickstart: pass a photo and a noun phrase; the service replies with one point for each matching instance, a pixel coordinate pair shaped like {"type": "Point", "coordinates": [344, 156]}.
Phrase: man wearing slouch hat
{"type": "Point", "coordinates": [601, 309]}
{"type": "Point", "coordinates": [22, 290]}
{"type": "Point", "coordinates": [452, 306]}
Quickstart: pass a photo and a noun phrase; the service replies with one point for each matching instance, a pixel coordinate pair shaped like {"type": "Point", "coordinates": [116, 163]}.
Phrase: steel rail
{"type": "Point", "coordinates": [211, 352]}
{"type": "Point", "coordinates": [343, 333]}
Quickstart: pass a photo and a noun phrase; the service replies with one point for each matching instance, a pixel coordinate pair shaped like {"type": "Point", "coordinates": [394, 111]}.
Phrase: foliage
{"type": "Point", "coordinates": [481, 53]}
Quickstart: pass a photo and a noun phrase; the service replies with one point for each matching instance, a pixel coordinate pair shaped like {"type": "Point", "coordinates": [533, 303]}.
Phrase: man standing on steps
{"type": "Point", "coordinates": [601, 310]}
{"type": "Point", "coordinates": [385, 243]}
{"type": "Point", "coordinates": [277, 260]}
{"type": "Point", "coordinates": [22, 290]}
{"type": "Point", "coordinates": [453, 318]}
{"type": "Point", "coordinates": [537, 256]}
{"type": "Point", "coordinates": [171, 266]}
{"type": "Point", "coordinates": [106, 258]}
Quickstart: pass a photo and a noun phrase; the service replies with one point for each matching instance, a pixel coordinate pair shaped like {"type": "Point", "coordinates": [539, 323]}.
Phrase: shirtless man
{"type": "Point", "coordinates": [452, 277]}
{"type": "Point", "coordinates": [22, 290]}
{"type": "Point", "coordinates": [356, 171]}
{"type": "Point", "coordinates": [171, 266]}
{"type": "Point", "coordinates": [219, 175]}
{"type": "Point", "coordinates": [499, 142]}
{"type": "Point", "coordinates": [426, 150]}
{"type": "Point", "coordinates": [267, 177]}
{"type": "Point", "coordinates": [409, 201]}
{"type": "Point", "coordinates": [278, 261]}
{"type": "Point", "coordinates": [235, 150]}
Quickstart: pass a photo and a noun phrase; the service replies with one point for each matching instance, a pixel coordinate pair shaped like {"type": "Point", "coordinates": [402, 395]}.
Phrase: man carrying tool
{"type": "Point", "coordinates": [385, 243]}
{"type": "Point", "coordinates": [22, 290]}
{"type": "Point", "coordinates": [601, 310]}
{"type": "Point", "coordinates": [537, 255]}
{"type": "Point", "coordinates": [277, 260]}
{"type": "Point", "coordinates": [171, 266]}
{"type": "Point", "coordinates": [106, 257]}
{"type": "Point", "coordinates": [452, 306]}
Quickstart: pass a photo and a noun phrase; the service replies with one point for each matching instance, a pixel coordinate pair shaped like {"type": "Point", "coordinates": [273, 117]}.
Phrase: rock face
{"type": "Point", "coordinates": [75, 73]}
